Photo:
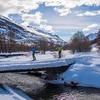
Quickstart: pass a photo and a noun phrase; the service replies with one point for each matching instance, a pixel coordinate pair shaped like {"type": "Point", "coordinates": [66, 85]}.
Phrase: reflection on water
{"type": "Point", "coordinates": [52, 92]}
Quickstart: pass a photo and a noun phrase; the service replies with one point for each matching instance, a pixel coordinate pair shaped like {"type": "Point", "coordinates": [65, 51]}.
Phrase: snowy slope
{"type": "Point", "coordinates": [22, 35]}
{"type": "Point", "coordinates": [52, 38]}
{"type": "Point", "coordinates": [92, 36]}
{"type": "Point", "coordinates": [26, 35]}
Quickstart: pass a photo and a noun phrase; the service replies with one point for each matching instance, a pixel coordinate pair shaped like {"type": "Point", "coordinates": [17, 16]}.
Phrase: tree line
{"type": "Point", "coordinates": [8, 44]}
{"type": "Point", "coordinates": [81, 43]}
{"type": "Point", "coordinates": [78, 43]}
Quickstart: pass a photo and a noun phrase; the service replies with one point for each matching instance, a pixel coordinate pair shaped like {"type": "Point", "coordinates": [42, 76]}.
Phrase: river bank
{"type": "Point", "coordinates": [61, 92]}
{"type": "Point", "coordinates": [25, 82]}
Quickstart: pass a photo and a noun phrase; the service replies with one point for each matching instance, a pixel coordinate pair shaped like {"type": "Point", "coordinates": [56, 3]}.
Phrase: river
{"type": "Point", "coordinates": [60, 92]}
{"type": "Point", "coordinates": [48, 92]}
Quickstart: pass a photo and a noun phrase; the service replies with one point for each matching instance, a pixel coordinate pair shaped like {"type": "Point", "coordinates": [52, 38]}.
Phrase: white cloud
{"type": "Point", "coordinates": [36, 18]}
{"type": "Point", "coordinates": [23, 7]}
{"type": "Point", "coordinates": [26, 5]}
{"type": "Point", "coordinates": [91, 27]}
{"type": "Point", "coordinates": [89, 2]}
{"type": "Point", "coordinates": [89, 13]}
{"type": "Point", "coordinates": [63, 7]}
{"type": "Point", "coordinates": [47, 28]}
{"type": "Point", "coordinates": [62, 11]}
{"type": "Point", "coordinates": [17, 6]}
{"type": "Point", "coordinates": [8, 6]}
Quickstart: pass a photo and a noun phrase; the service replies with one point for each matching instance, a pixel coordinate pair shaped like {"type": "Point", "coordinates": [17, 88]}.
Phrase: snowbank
{"type": "Point", "coordinates": [8, 93]}
{"type": "Point", "coordinates": [25, 82]}
{"type": "Point", "coordinates": [86, 70]}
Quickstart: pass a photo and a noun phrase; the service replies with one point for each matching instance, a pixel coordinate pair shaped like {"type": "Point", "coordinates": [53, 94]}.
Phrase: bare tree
{"type": "Point", "coordinates": [1, 43]}
{"type": "Point", "coordinates": [98, 39]}
{"type": "Point", "coordinates": [79, 43]}
{"type": "Point", "coordinates": [43, 43]}
{"type": "Point", "coordinates": [11, 41]}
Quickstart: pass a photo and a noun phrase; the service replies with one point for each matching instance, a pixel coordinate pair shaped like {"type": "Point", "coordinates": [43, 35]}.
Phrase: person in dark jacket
{"type": "Point", "coordinates": [33, 49]}
{"type": "Point", "coordinates": [59, 53]}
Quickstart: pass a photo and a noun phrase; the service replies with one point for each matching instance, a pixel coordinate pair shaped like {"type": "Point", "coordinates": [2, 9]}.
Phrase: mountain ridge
{"type": "Point", "coordinates": [24, 35]}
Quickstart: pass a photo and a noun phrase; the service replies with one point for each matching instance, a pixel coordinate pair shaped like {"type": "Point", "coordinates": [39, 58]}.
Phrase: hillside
{"type": "Point", "coordinates": [92, 36]}
{"type": "Point", "coordinates": [23, 35]}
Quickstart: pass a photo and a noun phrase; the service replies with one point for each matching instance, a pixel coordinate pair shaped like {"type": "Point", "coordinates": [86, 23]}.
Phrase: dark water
{"type": "Point", "coordinates": [52, 92]}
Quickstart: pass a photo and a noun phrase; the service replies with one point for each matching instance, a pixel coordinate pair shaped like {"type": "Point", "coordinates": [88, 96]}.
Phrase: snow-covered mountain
{"type": "Point", "coordinates": [92, 36]}
{"type": "Point", "coordinates": [25, 35]}
{"type": "Point", "coordinates": [50, 36]}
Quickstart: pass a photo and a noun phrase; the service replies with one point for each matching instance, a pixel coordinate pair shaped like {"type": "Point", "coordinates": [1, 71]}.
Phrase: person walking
{"type": "Point", "coordinates": [59, 49]}
{"type": "Point", "coordinates": [33, 53]}
{"type": "Point", "coordinates": [60, 53]}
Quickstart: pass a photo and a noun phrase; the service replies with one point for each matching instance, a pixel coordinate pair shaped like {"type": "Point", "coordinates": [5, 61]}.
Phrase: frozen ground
{"type": "Point", "coordinates": [86, 70]}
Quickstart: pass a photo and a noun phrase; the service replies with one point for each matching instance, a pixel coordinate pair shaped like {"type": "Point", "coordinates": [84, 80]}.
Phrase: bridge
{"type": "Point", "coordinates": [52, 68]}
{"type": "Point", "coordinates": [33, 65]}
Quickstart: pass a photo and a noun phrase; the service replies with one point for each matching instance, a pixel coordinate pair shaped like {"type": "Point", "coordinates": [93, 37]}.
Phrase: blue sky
{"type": "Point", "coordinates": [66, 26]}
{"type": "Point", "coordinates": [64, 17]}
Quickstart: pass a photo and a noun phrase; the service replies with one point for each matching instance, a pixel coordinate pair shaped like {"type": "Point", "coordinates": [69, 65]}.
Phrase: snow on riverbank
{"type": "Point", "coordinates": [8, 93]}
{"type": "Point", "coordinates": [25, 82]}
{"type": "Point", "coordinates": [86, 70]}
